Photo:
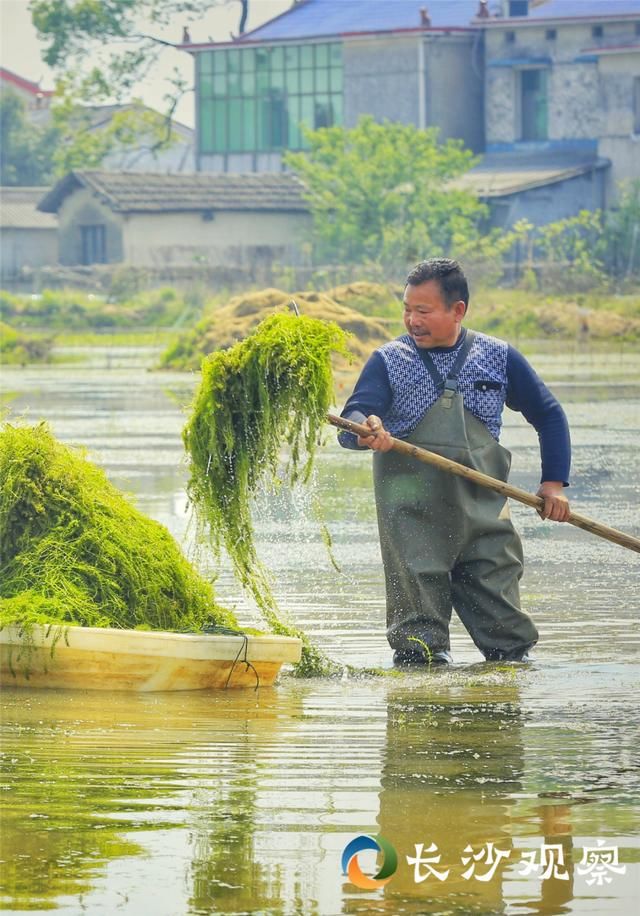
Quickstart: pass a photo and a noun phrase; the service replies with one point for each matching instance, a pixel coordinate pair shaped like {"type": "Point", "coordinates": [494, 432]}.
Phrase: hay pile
{"type": "Point", "coordinates": [74, 551]}
{"type": "Point", "coordinates": [235, 321]}
{"type": "Point", "coordinates": [377, 300]}
{"type": "Point", "coordinates": [272, 389]}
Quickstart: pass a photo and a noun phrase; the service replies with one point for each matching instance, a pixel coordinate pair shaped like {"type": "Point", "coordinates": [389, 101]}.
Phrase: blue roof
{"type": "Point", "coordinates": [316, 18]}
{"type": "Point", "coordinates": [321, 18]}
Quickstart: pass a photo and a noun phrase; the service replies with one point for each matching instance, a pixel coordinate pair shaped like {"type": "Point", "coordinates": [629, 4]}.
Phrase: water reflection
{"type": "Point", "coordinates": [451, 770]}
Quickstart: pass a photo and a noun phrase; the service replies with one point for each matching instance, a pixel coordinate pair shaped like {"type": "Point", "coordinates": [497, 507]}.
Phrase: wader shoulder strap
{"type": "Point", "coordinates": [450, 384]}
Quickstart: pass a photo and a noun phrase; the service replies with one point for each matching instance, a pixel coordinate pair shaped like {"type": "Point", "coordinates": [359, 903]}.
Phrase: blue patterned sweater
{"type": "Point", "coordinates": [396, 386]}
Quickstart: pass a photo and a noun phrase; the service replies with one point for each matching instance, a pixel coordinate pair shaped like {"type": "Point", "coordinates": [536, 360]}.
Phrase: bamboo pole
{"type": "Point", "coordinates": [499, 486]}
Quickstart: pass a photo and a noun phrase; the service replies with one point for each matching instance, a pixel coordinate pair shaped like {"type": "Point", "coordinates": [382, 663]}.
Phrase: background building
{"type": "Point", "coordinates": [328, 62]}
{"type": "Point", "coordinates": [547, 90]}
{"type": "Point", "coordinates": [28, 237]}
{"type": "Point", "coordinates": [562, 88]}
{"type": "Point", "coordinates": [153, 220]}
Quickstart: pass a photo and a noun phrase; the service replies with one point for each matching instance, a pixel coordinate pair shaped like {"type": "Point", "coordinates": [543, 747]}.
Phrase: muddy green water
{"type": "Point", "coordinates": [242, 802]}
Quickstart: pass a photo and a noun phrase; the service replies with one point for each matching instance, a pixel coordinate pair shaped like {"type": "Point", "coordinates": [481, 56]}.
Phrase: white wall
{"type": "Point", "coordinates": [231, 238]}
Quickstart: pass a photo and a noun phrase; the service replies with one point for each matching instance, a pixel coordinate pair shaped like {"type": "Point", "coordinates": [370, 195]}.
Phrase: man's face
{"type": "Point", "coordinates": [426, 317]}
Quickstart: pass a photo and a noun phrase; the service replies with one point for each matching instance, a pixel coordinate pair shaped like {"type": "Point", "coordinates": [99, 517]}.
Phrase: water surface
{"type": "Point", "coordinates": [242, 802]}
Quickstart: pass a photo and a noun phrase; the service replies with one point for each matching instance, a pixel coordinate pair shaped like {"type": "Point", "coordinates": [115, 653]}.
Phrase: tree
{"type": "Point", "coordinates": [80, 144]}
{"type": "Point", "coordinates": [384, 192]}
{"type": "Point", "coordinates": [80, 31]}
{"type": "Point", "coordinates": [35, 155]}
{"type": "Point", "coordinates": [26, 151]}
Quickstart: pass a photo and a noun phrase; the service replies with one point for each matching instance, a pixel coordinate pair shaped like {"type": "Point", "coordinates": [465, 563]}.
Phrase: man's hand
{"type": "Point", "coordinates": [556, 504]}
{"type": "Point", "coordinates": [380, 439]}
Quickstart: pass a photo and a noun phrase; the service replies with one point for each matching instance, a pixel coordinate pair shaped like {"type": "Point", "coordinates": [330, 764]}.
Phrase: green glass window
{"type": "Point", "coordinates": [322, 55]}
{"type": "Point", "coordinates": [306, 81]}
{"type": "Point", "coordinates": [248, 83]}
{"type": "Point", "coordinates": [235, 125]}
{"type": "Point", "coordinates": [205, 63]}
{"type": "Point", "coordinates": [256, 99]}
{"type": "Point", "coordinates": [220, 85]}
{"type": "Point", "coordinates": [249, 125]}
{"type": "Point", "coordinates": [322, 81]}
{"type": "Point", "coordinates": [219, 143]}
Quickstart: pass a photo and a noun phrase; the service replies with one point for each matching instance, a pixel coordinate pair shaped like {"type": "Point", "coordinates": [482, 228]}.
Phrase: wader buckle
{"type": "Point", "coordinates": [450, 389]}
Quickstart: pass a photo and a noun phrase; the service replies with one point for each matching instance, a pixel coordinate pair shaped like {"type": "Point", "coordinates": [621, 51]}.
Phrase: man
{"type": "Point", "coordinates": [447, 542]}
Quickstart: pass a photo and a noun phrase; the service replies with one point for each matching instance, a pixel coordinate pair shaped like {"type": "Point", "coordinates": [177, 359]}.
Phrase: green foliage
{"type": "Point", "coordinates": [18, 349]}
{"type": "Point", "coordinates": [75, 551]}
{"type": "Point", "coordinates": [72, 310]}
{"type": "Point", "coordinates": [272, 388]}
{"type": "Point", "coordinates": [34, 155]}
{"type": "Point", "coordinates": [112, 41]}
{"type": "Point", "coordinates": [25, 149]}
{"type": "Point", "coordinates": [382, 192]}
{"type": "Point", "coordinates": [574, 242]}
{"type": "Point", "coordinates": [84, 138]}
{"type": "Point", "coordinates": [619, 246]}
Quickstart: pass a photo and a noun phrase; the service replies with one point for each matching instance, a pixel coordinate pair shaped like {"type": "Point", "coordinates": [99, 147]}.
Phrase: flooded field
{"type": "Point", "coordinates": [515, 788]}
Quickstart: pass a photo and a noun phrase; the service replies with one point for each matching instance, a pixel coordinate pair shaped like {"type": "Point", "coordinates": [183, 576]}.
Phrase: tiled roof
{"type": "Point", "coordinates": [18, 209]}
{"type": "Point", "coordinates": [317, 18]}
{"type": "Point", "coordinates": [500, 174]}
{"type": "Point", "coordinates": [138, 192]}
{"type": "Point", "coordinates": [28, 85]}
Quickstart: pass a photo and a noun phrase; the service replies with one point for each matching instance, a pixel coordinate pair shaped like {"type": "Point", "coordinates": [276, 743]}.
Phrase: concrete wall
{"type": "Point", "coordinates": [82, 209]}
{"type": "Point", "coordinates": [27, 248]}
{"type": "Point", "coordinates": [551, 202]}
{"type": "Point", "coordinates": [381, 78]}
{"type": "Point", "coordinates": [231, 239]}
{"type": "Point", "coordinates": [454, 88]}
{"type": "Point", "coordinates": [241, 162]}
{"type": "Point", "coordinates": [581, 92]}
{"type": "Point", "coordinates": [618, 142]}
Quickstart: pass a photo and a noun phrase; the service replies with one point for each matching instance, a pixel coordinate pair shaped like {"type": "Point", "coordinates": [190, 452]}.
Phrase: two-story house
{"type": "Point", "coordinates": [327, 62]}
{"type": "Point", "coordinates": [562, 106]}
{"type": "Point", "coordinates": [548, 90]}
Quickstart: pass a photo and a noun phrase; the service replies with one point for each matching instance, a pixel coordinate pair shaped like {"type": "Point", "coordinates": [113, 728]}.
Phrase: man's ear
{"type": "Point", "coordinates": [460, 309]}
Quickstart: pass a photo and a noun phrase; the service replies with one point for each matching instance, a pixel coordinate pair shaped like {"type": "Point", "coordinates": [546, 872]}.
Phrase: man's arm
{"type": "Point", "coordinates": [371, 397]}
{"type": "Point", "coordinates": [527, 393]}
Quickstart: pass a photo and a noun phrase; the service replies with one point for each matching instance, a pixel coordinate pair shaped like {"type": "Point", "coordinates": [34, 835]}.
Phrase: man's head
{"type": "Point", "coordinates": [436, 298]}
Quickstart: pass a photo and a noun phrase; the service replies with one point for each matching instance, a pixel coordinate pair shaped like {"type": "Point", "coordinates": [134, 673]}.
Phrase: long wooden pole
{"type": "Point", "coordinates": [522, 496]}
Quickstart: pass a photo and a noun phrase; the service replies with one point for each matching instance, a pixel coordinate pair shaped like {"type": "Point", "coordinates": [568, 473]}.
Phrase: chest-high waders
{"type": "Point", "coordinates": [447, 541]}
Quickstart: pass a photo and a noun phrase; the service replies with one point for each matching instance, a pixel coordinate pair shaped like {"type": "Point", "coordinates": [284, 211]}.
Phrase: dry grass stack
{"type": "Point", "coordinates": [242, 315]}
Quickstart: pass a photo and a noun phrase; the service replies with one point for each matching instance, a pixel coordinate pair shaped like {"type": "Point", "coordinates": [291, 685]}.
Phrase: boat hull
{"type": "Point", "coordinates": [88, 658]}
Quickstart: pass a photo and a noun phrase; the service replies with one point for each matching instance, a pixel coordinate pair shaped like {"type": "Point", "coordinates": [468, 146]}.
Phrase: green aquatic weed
{"type": "Point", "coordinates": [75, 551]}
{"type": "Point", "coordinates": [270, 390]}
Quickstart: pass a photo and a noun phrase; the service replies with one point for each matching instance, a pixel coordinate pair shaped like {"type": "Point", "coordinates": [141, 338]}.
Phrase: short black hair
{"type": "Point", "coordinates": [449, 276]}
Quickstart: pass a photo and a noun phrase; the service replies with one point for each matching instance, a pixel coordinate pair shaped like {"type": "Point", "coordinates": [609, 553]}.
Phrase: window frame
{"type": "Point", "coordinates": [93, 244]}
{"type": "Point", "coordinates": [270, 84]}
{"type": "Point", "coordinates": [520, 107]}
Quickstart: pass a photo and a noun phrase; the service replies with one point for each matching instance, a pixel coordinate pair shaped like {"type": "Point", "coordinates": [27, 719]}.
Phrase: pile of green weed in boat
{"type": "Point", "coordinates": [271, 389]}
{"type": "Point", "coordinates": [75, 551]}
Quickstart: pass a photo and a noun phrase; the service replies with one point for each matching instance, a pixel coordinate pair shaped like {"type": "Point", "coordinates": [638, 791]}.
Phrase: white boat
{"type": "Point", "coordinates": [90, 658]}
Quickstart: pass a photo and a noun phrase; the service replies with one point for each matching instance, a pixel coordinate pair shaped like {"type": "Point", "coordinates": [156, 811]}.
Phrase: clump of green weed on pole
{"type": "Point", "coordinates": [271, 389]}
